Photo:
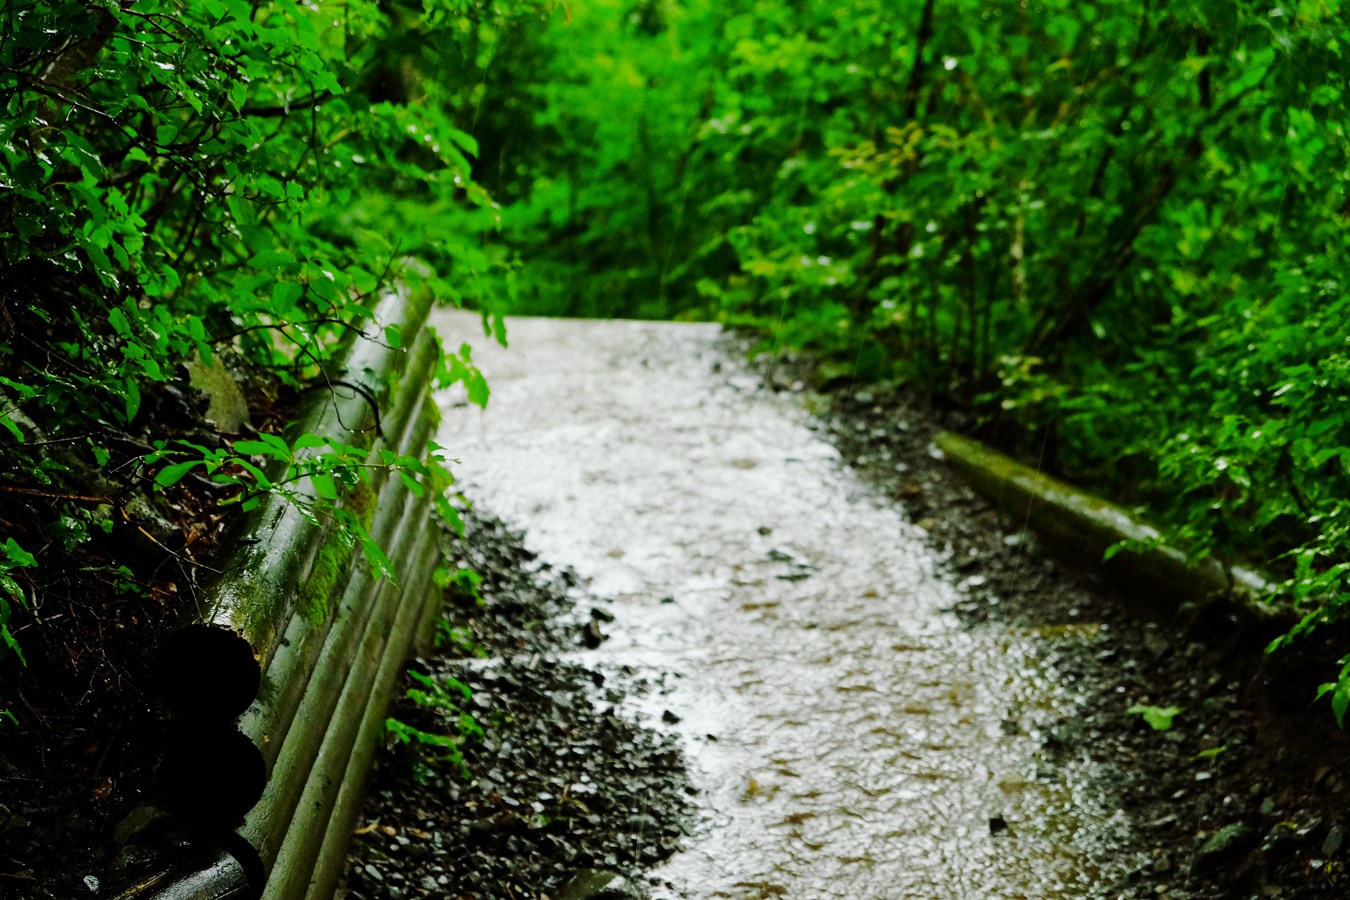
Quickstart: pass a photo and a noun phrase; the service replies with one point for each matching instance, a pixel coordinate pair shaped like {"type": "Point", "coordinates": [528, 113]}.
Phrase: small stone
{"type": "Point", "coordinates": [1156, 644]}
{"type": "Point", "coordinates": [1335, 840]}
{"type": "Point", "coordinates": [1226, 843]}
{"type": "Point", "coordinates": [592, 636]}
{"type": "Point", "coordinates": [229, 408]}
{"type": "Point", "coordinates": [997, 824]}
{"type": "Point", "coordinates": [670, 718]}
{"type": "Point", "coordinates": [92, 883]}
{"type": "Point", "coordinates": [141, 511]}
{"type": "Point", "coordinates": [597, 884]}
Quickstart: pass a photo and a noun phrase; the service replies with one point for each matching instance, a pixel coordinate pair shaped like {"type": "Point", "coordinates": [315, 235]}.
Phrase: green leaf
{"type": "Point", "coordinates": [118, 320]}
{"type": "Point", "coordinates": [412, 484]}
{"type": "Point", "coordinates": [170, 475]}
{"type": "Point", "coordinates": [284, 295]}
{"type": "Point", "coordinates": [132, 397]}
{"type": "Point", "coordinates": [260, 479]}
{"type": "Point", "coordinates": [280, 448]}
{"type": "Point", "coordinates": [375, 556]}
{"type": "Point", "coordinates": [1159, 718]}
{"type": "Point", "coordinates": [324, 486]}
{"type": "Point", "coordinates": [309, 441]}
{"type": "Point", "coordinates": [6, 638]}
{"type": "Point", "coordinates": [16, 556]}
{"type": "Point", "coordinates": [11, 427]}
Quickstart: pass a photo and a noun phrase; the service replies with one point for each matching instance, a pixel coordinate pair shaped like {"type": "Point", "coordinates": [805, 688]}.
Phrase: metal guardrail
{"type": "Point", "coordinates": [1086, 526]}
{"type": "Point", "coordinates": [280, 682]}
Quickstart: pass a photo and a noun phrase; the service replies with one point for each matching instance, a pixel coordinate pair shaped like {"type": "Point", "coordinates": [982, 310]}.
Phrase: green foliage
{"type": "Point", "coordinates": [1339, 692]}
{"type": "Point", "coordinates": [462, 583]}
{"type": "Point", "coordinates": [1159, 718]}
{"type": "Point", "coordinates": [1210, 754]}
{"type": "Point", "coordinates": [231, 179]}
{"type": "Point", "coordinates": [447, 709]}
{"type": "Point", "coordinates": [12, 557]}
{"type": "Point", "coordinates": [1119, 228]}
{"type": "Point", "coordinates": [314, 474]}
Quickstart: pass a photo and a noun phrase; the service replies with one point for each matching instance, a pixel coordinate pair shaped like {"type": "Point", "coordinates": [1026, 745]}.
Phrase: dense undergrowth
{"type": "Point", "coordinates": [1116, 231]}
{"type": "Point", "coordinates": [221, 188]}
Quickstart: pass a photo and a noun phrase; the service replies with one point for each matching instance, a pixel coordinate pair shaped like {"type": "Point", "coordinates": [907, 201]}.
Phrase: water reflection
{"type": "Point", "coordinates": [849, 738]}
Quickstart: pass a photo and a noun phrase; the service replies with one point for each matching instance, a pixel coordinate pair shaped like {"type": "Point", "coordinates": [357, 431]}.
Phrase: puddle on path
{"type": "Point", "coordinates": [850, 738]}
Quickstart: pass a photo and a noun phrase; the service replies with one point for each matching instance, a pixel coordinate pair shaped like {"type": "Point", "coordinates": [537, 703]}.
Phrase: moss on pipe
{"type": "Point", "coordinates": [302, 741]}
{"type": "Point", "coordinates": [331, 854]}
{"type": "Point", "coordinates": [291, 562]}
{"type": "Point", "coordinates": [381, 647]}
{"type": "Point", "coordinates": [289, 672]}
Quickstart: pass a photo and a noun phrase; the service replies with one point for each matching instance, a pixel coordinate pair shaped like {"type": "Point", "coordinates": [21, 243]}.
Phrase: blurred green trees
{"type": "Point", "coordinates": [1120, 228]}
{"type": "Point", "coordinates": [225, 179]}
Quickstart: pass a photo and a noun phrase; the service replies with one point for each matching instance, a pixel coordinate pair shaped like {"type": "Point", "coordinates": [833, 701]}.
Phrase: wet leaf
{"type": "Point", "coordinates": [1159, 718]}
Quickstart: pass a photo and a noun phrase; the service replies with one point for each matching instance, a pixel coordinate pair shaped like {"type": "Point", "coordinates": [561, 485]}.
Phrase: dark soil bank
{"type": "Point", "coordinates": [563, 786]}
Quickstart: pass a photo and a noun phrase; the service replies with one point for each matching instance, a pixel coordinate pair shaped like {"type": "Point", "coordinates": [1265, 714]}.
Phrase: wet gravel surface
{"type": "Point", "coordinates": [564, 782]}
{"type": "Point", "coordinates": [1243, 797]}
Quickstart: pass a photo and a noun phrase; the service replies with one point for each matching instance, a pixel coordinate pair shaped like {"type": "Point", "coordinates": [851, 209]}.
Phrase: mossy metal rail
{"type": "Point", "coordinates": [1084, 526]}
{"type": "Point", "coordinates": [282, 677]}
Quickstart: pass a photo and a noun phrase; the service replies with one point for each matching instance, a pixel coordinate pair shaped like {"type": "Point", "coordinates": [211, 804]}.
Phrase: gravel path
{"type": "Point", "coordinates": [877, 689]}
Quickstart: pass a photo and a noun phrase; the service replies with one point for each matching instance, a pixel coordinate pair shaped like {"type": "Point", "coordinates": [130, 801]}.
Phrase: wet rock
{"type": "Point", "coordinates": [1334, 841]}
{"type": "Point", "coordinates": [1225, 845]}
{"type": "Point", "coordinates": [592, 636]}
{"type": "Point", "coordinates": [1156, 644]}
{"type": "Point", "coordinates": [140, 510]}
{"type": "Point", "coordinates": [596, 884]}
